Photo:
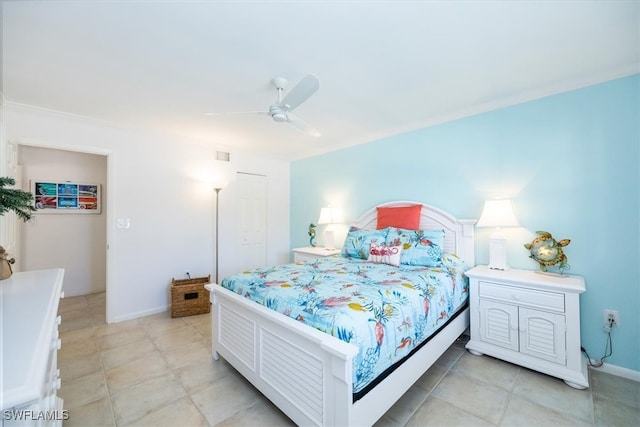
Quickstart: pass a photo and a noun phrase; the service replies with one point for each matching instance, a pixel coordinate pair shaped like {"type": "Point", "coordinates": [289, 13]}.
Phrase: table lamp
{"type": "Point", "coordinates": [498, 213]}
{"type": "Point", "coordinates": [328, 217]}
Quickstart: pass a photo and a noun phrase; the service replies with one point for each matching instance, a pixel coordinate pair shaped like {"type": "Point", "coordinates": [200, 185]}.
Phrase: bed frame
{"type": "Point", "coordinates": [307, 373]}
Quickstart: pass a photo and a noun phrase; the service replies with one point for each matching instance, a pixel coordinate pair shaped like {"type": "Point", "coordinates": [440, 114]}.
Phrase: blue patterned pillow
{"type": "Point", "coordinates": [419, 247]}
{"type": "Point", "coordinates": [358, 242]}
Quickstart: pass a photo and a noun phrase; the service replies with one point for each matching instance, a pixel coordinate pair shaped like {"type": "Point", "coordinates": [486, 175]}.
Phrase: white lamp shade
{"type": "Point", "coordinates": [498, 213]}
{"type": "Point", "coordinates": [330, 216]}
{"type": "Point", "coordinates": [222, 174]}
{"type": "Point", "coordinates": [219, 184]}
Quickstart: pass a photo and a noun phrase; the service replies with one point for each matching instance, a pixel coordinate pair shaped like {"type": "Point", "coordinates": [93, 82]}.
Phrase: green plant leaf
{"type": "Point", "coordinates": [16, 200]}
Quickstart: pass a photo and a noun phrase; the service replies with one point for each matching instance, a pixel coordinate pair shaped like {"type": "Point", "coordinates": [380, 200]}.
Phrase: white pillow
{"type": "Point", "coordinates": [385, 254]}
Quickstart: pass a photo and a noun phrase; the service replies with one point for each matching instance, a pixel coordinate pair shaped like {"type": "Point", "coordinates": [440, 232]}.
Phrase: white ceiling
{"type": "Point", "coordinates": [385, 67]}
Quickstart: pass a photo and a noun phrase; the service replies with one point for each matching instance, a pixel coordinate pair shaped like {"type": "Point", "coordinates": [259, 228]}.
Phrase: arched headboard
{"type": "Point", "coordinates": [459, 233]}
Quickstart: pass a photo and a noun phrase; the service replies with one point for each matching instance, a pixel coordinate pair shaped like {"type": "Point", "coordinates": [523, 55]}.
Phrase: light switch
{"type": "Point", "coordinates": [123, 223]}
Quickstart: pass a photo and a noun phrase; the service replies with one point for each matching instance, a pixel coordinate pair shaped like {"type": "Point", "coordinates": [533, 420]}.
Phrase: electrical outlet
{"type": "Point", "coordinates": [611, 317]}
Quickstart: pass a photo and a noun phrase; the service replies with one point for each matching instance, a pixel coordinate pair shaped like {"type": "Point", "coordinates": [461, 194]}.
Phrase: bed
{"type": "Point", "coordinates": [311, 375]}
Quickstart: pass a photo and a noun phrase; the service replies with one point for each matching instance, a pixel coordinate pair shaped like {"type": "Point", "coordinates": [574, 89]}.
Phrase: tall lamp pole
{"type": "Point", "coordinates": [217, 203]}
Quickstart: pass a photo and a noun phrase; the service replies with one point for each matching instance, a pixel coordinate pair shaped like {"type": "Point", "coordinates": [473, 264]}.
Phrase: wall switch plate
{"type": "Point", "coordinates": [123, 223]}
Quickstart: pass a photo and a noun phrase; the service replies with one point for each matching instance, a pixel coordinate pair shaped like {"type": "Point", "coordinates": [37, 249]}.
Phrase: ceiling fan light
{"type": "Point", "coordinates": [279, 117]}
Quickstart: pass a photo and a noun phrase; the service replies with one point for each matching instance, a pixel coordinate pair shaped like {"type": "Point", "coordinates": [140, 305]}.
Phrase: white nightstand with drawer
{"type": "Point", "coordinates": [310, 252]}
{"type": "Point", "coordinates": [528, 318]}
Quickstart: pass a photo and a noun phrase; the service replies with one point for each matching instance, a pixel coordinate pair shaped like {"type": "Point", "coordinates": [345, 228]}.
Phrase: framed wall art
{"type": "Point", "coordinates": [66, 197]}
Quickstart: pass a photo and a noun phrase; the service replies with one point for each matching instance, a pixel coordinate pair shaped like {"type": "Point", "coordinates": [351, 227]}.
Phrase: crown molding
{"type": "Point", "coordinates": [93, 121]}
{"type": "Point", "coordinates": [497, 104]}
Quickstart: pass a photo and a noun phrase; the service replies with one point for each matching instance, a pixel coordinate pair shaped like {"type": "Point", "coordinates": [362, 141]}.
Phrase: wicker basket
{"type": "Point", "coordinates": [189, 297]}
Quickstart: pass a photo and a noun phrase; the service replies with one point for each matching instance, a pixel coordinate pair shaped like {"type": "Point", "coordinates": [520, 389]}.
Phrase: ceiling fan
{"type": "Point", "coordinates": [280, 111]}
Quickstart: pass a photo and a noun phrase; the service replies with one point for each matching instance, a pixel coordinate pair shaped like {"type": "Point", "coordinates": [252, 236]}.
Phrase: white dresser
{"type": "Point", "coordinates": [29, 344]}
{"type": "Point", "coordinates": [528, 318]}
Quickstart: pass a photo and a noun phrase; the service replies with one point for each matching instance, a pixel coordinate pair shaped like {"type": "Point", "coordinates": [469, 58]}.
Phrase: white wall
{"type": "Point", "coordinates": [4, 167]}
{"type": "Point", "coordinates": [159, 183]}
{"type": "Point", "coordinates": [75, 241]}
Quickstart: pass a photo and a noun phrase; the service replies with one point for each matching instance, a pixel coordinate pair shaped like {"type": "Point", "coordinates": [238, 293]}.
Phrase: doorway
{"type": "Point", "coordinates": [76, 242]}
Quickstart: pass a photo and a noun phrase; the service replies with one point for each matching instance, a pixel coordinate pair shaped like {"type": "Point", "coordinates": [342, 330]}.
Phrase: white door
{"type": "Point", "coordinates": [252, 221]}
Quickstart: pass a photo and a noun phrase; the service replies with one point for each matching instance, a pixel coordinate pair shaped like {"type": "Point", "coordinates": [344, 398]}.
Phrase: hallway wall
{"type": "Point", "coordinates": [74, 241]}
{"type": "Point", "coordinates": [162, 184]}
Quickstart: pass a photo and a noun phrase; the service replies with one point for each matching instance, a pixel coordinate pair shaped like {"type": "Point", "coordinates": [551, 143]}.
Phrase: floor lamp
{"type": "Point", "coordinates": [217, 211]}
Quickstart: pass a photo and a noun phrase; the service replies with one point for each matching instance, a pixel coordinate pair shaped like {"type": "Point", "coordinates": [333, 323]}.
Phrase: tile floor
{"type": "Point", "coordinates": [158, 371]}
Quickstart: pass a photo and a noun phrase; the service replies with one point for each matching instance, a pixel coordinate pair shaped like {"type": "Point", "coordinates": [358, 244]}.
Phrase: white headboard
{"type": "Point", "coordinates": [459, 233]}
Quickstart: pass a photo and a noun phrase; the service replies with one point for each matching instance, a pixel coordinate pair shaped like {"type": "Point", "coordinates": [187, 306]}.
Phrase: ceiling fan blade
{"type": "Point", "coordinates": [303, 126]}
{"type": "Point", "coordinates": [236, 112]}
{"type": "Point", "coordinates": [301, 92]}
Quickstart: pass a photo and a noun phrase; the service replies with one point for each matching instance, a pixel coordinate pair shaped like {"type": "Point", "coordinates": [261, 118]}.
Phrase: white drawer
{"type": "Point", "coordinates": [551, 301]}
{"type": "Point", "coordinates": [305, 254]}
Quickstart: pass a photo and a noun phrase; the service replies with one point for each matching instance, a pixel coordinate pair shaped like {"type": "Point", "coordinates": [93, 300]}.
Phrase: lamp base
{"type": "Point", "coordinates": [498, 252]}
{"type": "Point", "coordinates": [329, 239]}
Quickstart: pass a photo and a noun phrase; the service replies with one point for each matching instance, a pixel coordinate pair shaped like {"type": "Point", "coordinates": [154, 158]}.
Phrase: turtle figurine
{"type": "Point", "coordinates": [547, 251]}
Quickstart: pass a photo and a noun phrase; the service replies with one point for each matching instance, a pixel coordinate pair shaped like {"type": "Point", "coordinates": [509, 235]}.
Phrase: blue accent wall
{"type": "Point", "coordinates": [569, 162]}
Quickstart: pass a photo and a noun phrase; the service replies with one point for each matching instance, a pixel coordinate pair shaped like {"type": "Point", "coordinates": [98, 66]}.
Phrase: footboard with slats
{"type": "Point", "coordinates": [306, 373]}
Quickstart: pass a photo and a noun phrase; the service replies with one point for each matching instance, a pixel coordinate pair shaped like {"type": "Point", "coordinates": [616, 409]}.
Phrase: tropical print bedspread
{"type": "Point", "coordinates": [384, 310]}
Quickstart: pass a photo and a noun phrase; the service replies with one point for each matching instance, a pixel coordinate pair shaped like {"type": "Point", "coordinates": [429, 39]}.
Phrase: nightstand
{"type": "Point", "coordinates": [310, 252]}
{"type": "Point", "coordinates": [528, 318]}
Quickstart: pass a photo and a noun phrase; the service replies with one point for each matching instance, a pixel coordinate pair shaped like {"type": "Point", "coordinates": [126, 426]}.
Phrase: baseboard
{"type": "Point", "coordinates": [139, 314]}
{"type": "Point", "coordinates": [618, 371]}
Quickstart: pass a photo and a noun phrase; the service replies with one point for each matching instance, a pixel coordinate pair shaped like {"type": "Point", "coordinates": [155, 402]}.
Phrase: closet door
{"type": "Point", "coordinates": [252, 221]}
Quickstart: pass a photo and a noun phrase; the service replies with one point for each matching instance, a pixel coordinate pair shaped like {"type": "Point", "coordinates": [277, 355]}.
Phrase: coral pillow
{"type": "Point", "coordinates": [407, 217]}
{"type": "Point", "coordinates": [385, 255]}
